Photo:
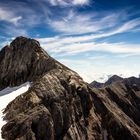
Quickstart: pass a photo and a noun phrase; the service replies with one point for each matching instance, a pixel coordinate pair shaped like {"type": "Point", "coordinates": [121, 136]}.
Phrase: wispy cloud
{"type": "Point", "coordinates": [129, 26]}
{"type": "Point", "coordinates": [68, 2]}
{"type": "Point", "coordinates": [69, 46]}
{"type": "Point", "coordinates": [116, 48]}
{"type": "Point", "coordinates": [75, 23]}
{"type": "Point", "coordinates": [81, 2]}
{"type": "Point", "coordinates": [98, 25]}
{"type": "Point", "coordinates": [84, 43]}
{"type": "Point", "coordinates": [8, 16]}
{"type": "Point", "coordinates": [17, 21]}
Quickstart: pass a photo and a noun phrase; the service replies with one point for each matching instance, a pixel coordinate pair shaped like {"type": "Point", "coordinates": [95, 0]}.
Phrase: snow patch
{"type": "Point", "coordinates": [7, 95]}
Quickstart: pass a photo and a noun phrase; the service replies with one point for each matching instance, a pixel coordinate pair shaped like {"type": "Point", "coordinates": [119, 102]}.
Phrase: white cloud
{"type": "Point", "coordinates": [14, 31]}
{"type": "Point", "coordinates": [15, 20]}
{"type": "Point", "coordinates": [63, 47]}
{"type": "Point", "coordinates": [116, 48]}
{"type": "Point", "coordinates": [80, 2]}
{"type": "Point", "coordinates": [126, 27]}
{"type": "Point", "coordinates": [8, 16]}
{"type": "Point", "coordinates": [58, 2]}
{"type": "Point", "coordinates": [68, 2]}
{"type": "Point", "coordinates": [75, 23]}
{"type": "Point", "coordinates": [77, 44]}
{"type": "Point", "coordinates": [14, 24]}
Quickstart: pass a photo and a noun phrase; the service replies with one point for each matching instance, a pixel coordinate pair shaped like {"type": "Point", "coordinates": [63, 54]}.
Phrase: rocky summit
{"type": "Point", "coordinates": [23, 60]}
{"type": "Point", "coordinates": [59, 105]}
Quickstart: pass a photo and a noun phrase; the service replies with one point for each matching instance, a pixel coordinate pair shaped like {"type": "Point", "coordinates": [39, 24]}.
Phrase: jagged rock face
{"type": "Point", "coordinates": [119, 108]}
{"type": "Point", "coordinates": [120, 116]}
{"type": "Point", "coordinates": [60, 106]}
{"type": "Point", "coordinates": [57, 106]}
{"type": "Point", "coordinates": [127, 97]}
{"type": "Point", "coordinates": [21, 61]}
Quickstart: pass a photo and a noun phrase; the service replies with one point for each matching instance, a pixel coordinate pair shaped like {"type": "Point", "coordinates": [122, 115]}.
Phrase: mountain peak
{"type": "Point", "coordinates": [22, 61]}
{"type": "Point", "coordinates": [21, 41]}
{"type": "Point", "coordinates": [112, 79]}
{"type": "Point", "coordinates": [21, 38]}
{"type": "Point", "coordinates": [115, 76]}
{"type": "Point", "coordinates": [28, 43]}
{"type": "Point", "coordinates": [96, 84]}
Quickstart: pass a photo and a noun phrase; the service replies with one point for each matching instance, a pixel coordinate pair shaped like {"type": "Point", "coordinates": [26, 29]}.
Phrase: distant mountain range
{"type": "Point", "coordinates": [114, 79]}
{"type": "Point", "coordinates": [58, 104]}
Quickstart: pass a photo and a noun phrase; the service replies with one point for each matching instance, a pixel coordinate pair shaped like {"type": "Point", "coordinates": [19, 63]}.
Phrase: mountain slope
{"type": "Point", "coordinates": [7, 95]}
{"type": "Point", "coordinates": [60, 105]}
{"type": "Point", "coordinates": [118, 113]}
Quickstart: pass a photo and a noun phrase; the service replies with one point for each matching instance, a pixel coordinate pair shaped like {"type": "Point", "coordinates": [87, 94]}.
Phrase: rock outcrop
{"type": "Point", "coordinates": [59, 105]}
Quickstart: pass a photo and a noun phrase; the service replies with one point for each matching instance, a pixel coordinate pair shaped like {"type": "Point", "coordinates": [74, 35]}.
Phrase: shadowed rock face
{"type": "Point", "coordinates": [60, 106]}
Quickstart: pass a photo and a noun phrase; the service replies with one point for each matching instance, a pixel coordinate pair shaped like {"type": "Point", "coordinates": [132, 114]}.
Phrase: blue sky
{"type": "Point", "coordinates": [96, 38]}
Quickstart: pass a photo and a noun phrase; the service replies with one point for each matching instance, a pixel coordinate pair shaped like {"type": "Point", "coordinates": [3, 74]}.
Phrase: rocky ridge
{"type": "Point", "coordinates": [59, 105]}
{"type": "Point", "coordinates": [116, 79]}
